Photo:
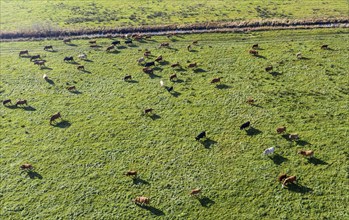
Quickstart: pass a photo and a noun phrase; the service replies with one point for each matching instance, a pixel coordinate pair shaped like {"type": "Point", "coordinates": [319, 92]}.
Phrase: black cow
{"type": "Point", "coordinates": [201, 135]}
{"type": "Point", "coordinates": [5, 102]}
{"type": "Point", "coordinates": [149, 64]}
{"type": "Point", "coordinates": [115, 42]}
{"type": "Point", "coordinates": [68, 59]}
{"type": "Point", "coordinates": [35, 57]}
{"type": "Point", "coordinates": [128, 41]}
{"type": "Point", "coordinates": [245, 125]}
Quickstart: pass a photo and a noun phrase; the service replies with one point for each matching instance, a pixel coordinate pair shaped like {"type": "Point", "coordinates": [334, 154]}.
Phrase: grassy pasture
{"type": "Point", "coordinates": [79, 163]}
{"type": "Point", "coordinates": [29, 15]}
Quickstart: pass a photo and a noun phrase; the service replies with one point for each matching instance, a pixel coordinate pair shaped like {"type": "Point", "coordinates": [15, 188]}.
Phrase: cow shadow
{"type": "Point", "coordinates": [45, 68]}
{"type": "Point", "coordinates": [256, 105]}
{"type": "Point", "coordinates": [193, 50]}
{"type": "Point", "coordinates": [175, 93]}
{"type": "Point", "coordinates": [132, 45]}
{"type": "Point", "coordinates": [206, 202]}
{"type": "Point", "coordinates": [222, 86]}
{"type": "Point", "coordinates": [304, 58]}
{"type": "Point", "coordinates": [138, 180]}
{"type": "Point", "coordinates": [77, 92]}
{"type": "Point", "coordinates": [298, 188]}
{"type": "Point", "coordinates": [157, 68]}
{"type": "Point", "coordinates": [278, 159]}
{"type": "Point", "coordinates": [260, 56]}
{"type": "Point", "coordinates": [132, 81]}
{"type": "Point", "coordinates": [114, 52]}
{"type": "Point", "coordinates": [63, 124]}
{"type": "Point", "coordinates": [163, 63]}
{"type": "Point", "coordinates": [153, 76]}
{"type": "Point", "coordinates": [121, 47]}
{"type": "Point", "coordinates": [152, 209]}
{"type": "Point", "coordinates": [11, 106]}
{"type": "Point", "coordinates": [52, 51]}
{"type": "Point", "coordinates": [29, 108]}
{"type": "Point", "coordinates": [33, 175]}
{"type": "Point", "coordinates": [49, 81]}
{"type": "Point", "coordinates": [251, 131]}
{"type": "Point", "coordinates": [207, 143]}
{"type": "Point", "coordinates": [275, 73]}
{"type": "Point", "coordinates": [86, 71]}
{"type": "Point", "coordinates": [72, 45]}
{"type": "Point", "coordinates": [87, 60]}
{"type": "Point", "coordinates": [302, 142]}
{"type": "Point", "coordinates": [316, 161]}
{"type": "Point", "coordinates": [199, 70]}
{"type": "Point", "coordinates": [172, 48]}
{"type": "Point", "coordinates": [26, 56]}
{"type": "Point", "coordinates": [154, 116]}
{"type": "Point", "coordinates": [178, 81]}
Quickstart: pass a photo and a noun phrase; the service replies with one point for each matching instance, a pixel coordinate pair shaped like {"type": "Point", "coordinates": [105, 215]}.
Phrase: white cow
{"type": "Point", "coordinates": [82, 56]}
{"type": "Point", "coordinates": [269, 151]}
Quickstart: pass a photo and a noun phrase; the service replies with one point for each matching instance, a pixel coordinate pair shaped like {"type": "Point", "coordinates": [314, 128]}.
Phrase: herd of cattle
{"type": "Point", "coordinates": [142, 200]}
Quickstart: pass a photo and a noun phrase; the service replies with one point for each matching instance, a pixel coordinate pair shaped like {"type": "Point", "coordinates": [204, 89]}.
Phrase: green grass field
{"type": "Point", "coordinates": [29, 15]}
{"type": "Point", "coordinates": [79, 163]}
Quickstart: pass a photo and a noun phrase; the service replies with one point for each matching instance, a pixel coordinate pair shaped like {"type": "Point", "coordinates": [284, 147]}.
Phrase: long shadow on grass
{"type": "Point", "coordinates": [10, 106]}
{"type": "Point", "coordinates": [253, 131]}
{"type": "Point", "coordinates": [278, 159]}
{"type": "Point", "coordinates": [153, 76]}
{"type": "Point", "coordinates": [152, 209]}
{"type": "Point", "coordinates": [275, 73]}
{"type": "Point", "coordinates": [317, 161]}
{"type": "Point", "coordinates": [260, 56]}
{"type": "Point", "coordinates": [175, 94]}
{"type": "Point", "coordinates": [62, 124]}
{"type": "Point", "coordinates": [85, 71]}
{"type": "Point", "coordinates": [206, 202]}
{"type": "Point", "coordinates": [223, 86]}
{"type": "Point", "coordinates": [199, 70]}
{"type": "Point", "coordinates": [181, 69]}
{"type": "Point", "coordinates": [49, 81]}
{"type": "Point", "coordinates": [302, 142]}
{"type": "Point", "coordinates": [33, 175]}
{"type": "Point", "coordinates": [138, 181]}
{"type": "Point", "coordinates": [132, 81]}
{"type": "Point", "coordinates": [154, 116]}
{"type": "Point", "coordinates": [72, 45]}
{"type": "Point", "coordinates": [77, 92]}
{"type": "Point", "coordinates": [45, 68]}
{"type": "Point", "coordinates": [163, 63]}
{"type": "Point", "coordinates": [29, 108]}
{"type": "Point", "coordinates": [298, 188]}
{"type": "Point", "coordinates": [87, 60]}
{"type": "Point", "coordinates": [208, 143]}
{"type": "Point", "coordinates": [178, 81]}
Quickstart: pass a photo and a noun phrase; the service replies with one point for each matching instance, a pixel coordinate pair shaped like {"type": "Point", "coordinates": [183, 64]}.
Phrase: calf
{"type": "Point", "coordinates": [5, 102]}
{"type": "Point", "coordinates": [148, 110]}
{"type": "Point", "coordinates": [54, 117]}
{"type": "Point", "coordinates": [281, 130]}
{"type": "Point", "coordinates": [192, 65]}
{"type": "Point", "coordinates": [195, 192]}
{"type": "Point", "coordinates": [250, 100]}
{"type": "Point", "coordinates": [216, 80]}
{"type": "Point", "coordinates": [140, 60]}
{"type": "Point", "coordinates": [48, 47]}
{"type": "Point", "coordinates": [26, 166]}
{"type": "Point", "coordinates": [293, 137]}
{"type": "Point", "coordinates": [173, 76]}
{"type": "Point", "coordinates": [253, 52]}
{"type": "Point", "coordinates": [290, 179]}
{"type": "Point", "coordinates": [245, 125]}
{"type": "Point", "coordinates": [21, 53]}
{"type": "Point", "coordinates": [132, 173]}
{"type": "Point", "coordinates": [201, 135]}
{"type": "Point", "coordinates": [189, 47]}
{"type": "Point", "coordinates": [269, 151]}
{"type": "Point", "coordinates": [195, 42]}
{"type": "Point", "coordinates": [81, 68]}
{"type": "Point", "coordinates": [269, 68]}
{"type": "Point", "coordinates": [169, 89]}
{"type": "Point", "coordinates": [161, 83]}
{"type": "Point", "coordinates": [142, 200]}
{"type": "Point", "coordinates": [127, 77]}
{"type": "Point", "coordinates": [82, 56]}
{"type": "Point", "coordinates": [306, 153]}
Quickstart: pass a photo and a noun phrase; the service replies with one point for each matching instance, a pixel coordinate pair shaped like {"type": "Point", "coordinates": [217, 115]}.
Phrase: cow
{"type": "Point", "coordinates": [306, 153]}
{"type": "Point", "coordinates": [147, 53]}
{"type": "Point", "coordinates": [35, 57]}
{"type": "Point", "coordinates": [148, 110]}
{"type": "Point", "coordinates": [159, 58]}
{"type": "Point", "coordinates": [110, 48]}
{"type": "Point", "coordinates": [127, 77]}
{"type": "Point", "coordinates": [68, 59]}
{"type": "Point", "coordinates": [54, 117]}
{"type": "Point", "coordinates": [324, 47]}
{"type": "Point", "coordinates": [66, 40]}
{"type": "Point", "coordinates": [253, 52]}
{"type": "Point", "coordinates": [245, 125]}
{"type": "Point", "coordinates": [142, 200]}
{"type": "Point", "coordinates": [269, 68]}
{"type": "Point", "coordinates": [128, 41]}
{"type": "Point", "coordinates": [81, 68]}
{"type": "Point", "coordinates": [82, 56]}
{"type": "Point", "coordinates": [71, 88]}
{"type": "Point", "coordinates": [45, 77]}
{"type": "Point", "coordinates": [250, 100]}
{"type": "Point", "coordinates": [299, 55]}
{"type": "Point", "coordinates": [115, 42]}
{"type": "Point", "coordinates": [40, 62]}
{"type": "Point", "coordinates": [293, 137]}
{"type": "Point", "coordinates": [192, 65]}
{"type": "Point", "coordinates": [140, 60]}
{"type": "Point", "coordinates": [216, 80]}
{"type": "Point", "coordinates": [48, 47]}
{"type": "Point", "coordinates": [5, 102]}
{"type": "Point", "coordinates": [173, 76]}
{"type": "Point", "coordinates": [290, 179]}
{"type": "Point", "coordinates": [280, 130]}
{"type": "Point", "coordinates": [132, 173]}
{"type": "Point", "coordinates": [195, 192]}
{"type": "Point", "coordinates": [149, 64]}
{"type": "Point", "coordinates": [269, 151]}
{"type": "Point", "coordinates": [201, 135]}
{"type": "Point", "coordinates": [175, 65]}
{"type": "Point", "coordinates": [282, 177]}
{"type": "Point", "coordinates": [195, 42]}
{"type": "Point", "coordinates": [22, 52]}
{"type": "Point", "coordinates": [26, 166]}
{"type": "Point", "coordinates": [164, 44]}
{"type": "Point", "coordinates": [162, 83]}
{"type": "Point", "coordinates": [92, 42]}
{"type": "Point", "coordinates": [189, 47]}
{"type": "Point", "coordinates": [255, 46]}
{"type": "Point", "coordinates": [148, 70]}
{"type": "Point", "coordinates": [21, 102]}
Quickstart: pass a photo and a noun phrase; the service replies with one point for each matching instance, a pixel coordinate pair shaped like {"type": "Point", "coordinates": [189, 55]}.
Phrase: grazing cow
{"type": "Point", "coordinates": [127, 77]}
{"type": "Point", "coordinates": [324, 47]}
{"type": "Point", "coordinates": [140, 60]}
{"type": "Point", "coordinates": [299, 55]}
{"type": "Point", "coordinates": [35, 57]}
{"type": "Point", "coordinates": [148, 70]}
{"type": "Point", "coordinates": [201, 135]}
{"type": "Point", "coordinates": [40, 62]}
{"type": "Point", "coordinates": [173, 76]}
{"type": "Point", "coordinates": [290, 179]}
{"type": "Point", "coordinates": [269, 151]}
{"type": "Point", "coordinates": [192, 65]}
{"type": "Point", "coordinates": [306, 153]}
{"type": "Point", "coordinates": [110, 48]}
{"type": "Point", "coordinates": [68, 59]}
{"type": "Point", "coordinates": [293, 137]}
{"type": "Point", "coordinates": [164, 44]}
{"type": "Point", "coordinates": [216, 80]}
{"type": "Point", "coordinates": [149, 64]}
{"type": "Point", "coordinates": [169, 89]}
{"type": "Point", "coordinates": [92, 42]}
{"type": "Point", "coordinates": [253, 52]}
{"type": "Point", "coordinates": [162, 83]}
{"type": "Point", "coordinates": [66, 41]}
{"type": "Point", "coordinates": [148, 110]}
{"type": "Point", "coordinates": [132, 173]}
{"type": "Point", "coordinates": [115, 42]}
{"type": "Point", "coordinates": [128, 41]}
{"type": "Point", "coordinates": [269, 68]}
{"type": "Point", "coordinates": [26, 166]}
{"type": "Point", "coordinates": [142, 200]}
{"type": "Point", "coordinates": [147, 53]}
{"type": "Point", "coordinates": [54, 117]}
{"type": "Point", "coordinates": [21, 102]}
{"type": "Point", "coordinates": [159, 58]}
{"type": "Point", "coordinates": [195, 42]}
{"type": "Point", "coordinates": [81, 67]}
{"type": "Point", "coordinates": [281, 130]}
{"type": "Point", "coordinates": [71, 88]}
{"type": "Point", "coordinates": [189, 47]}
{"type": "Point", "coordinates": [175, 65]}
{"type": "Point", "coordinates": [195, 192]}
{"type": "Point", "coordinates": [48, 47]}
{"type": "Point", "coordinates": [245, 125]}
{"type": "Point", "coordinates": [255, 46]}
{"type": "Point", "coordinates": [82, 56]}
{"type": "Point", "coordinates": [5, 102]}
{"type": "Point", "coordinates": [22, 52]}
{"type": "Point", "coordinates": [250, 100]}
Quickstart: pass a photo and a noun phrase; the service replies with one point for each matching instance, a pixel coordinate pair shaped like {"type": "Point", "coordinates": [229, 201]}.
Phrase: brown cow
{"type": "Point", "coordinates": [81, 67]}
{"type": "Point", "coordinates": [110, 48]}
{"type": "Point", "coordinates": [253, 52]}
{"type": "Point", "coordinates": [71, 88]}
{"type": "Point", "coordinates": [148, 70]}
{"type": "Point", "coordinates": [306, 153]}
{"type": "Point", "coordinates": [290, 179]}
{"type": "Point", "coordinates": [195, 42]}
{"type": "Point", "coordinates": [195, 192]}
{"type": "Point", "coordinates": [173, 76]}
{"type": "Point", "coordinates": [54, 117]}
{"type": "Point", "coordinates": [280, 130]}
{"type": "Point", "coordinates": [132, 173]}
{"type": "Point", "coordinates": [159, 58]}
{"type": "Point", "coordinates": [22, 52]}
{"type": "Point", "coordinates": [66, 40]}
{"type": "Point", "coordinates": [92, 42]}
{"type": "Point", "coordinates": [250, 100]}
{"type": "Point", "coordinates": [142, 200]}
{"type": "Point", "coordinates": [269, 68]}
{"type": "Point", "coordinates": [216, 80]}
{"type": "Point", "coordinates": [164, 44]}
{"type": "Point", "coordinates": [21, 102]}
{"type": "Point", "coordinates": [175, 65]}
{"type": "Point", "coordinates": [147, 53]}
{"type": "Point", "coordinates": [26, 166]}
{"type": "Point", "coordinates": [192, 65]}
{"type": "Point", "coordinates": [281, 177]}
{"type": "Point", "coordinates": [293, 137]}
